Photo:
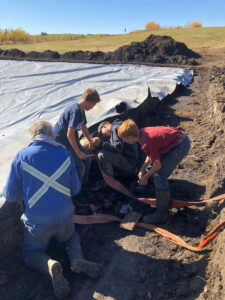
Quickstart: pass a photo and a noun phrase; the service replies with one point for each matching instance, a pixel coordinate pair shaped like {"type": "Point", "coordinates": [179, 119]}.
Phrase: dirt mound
{"type": "Point", "coordinates": [155, 49]}
{"type": "Point", "coordinates": [48, 54]}
{"type": "Point", "coordinates": [33, 55]}
{"type": "Point", "coordinates": [13, 53]}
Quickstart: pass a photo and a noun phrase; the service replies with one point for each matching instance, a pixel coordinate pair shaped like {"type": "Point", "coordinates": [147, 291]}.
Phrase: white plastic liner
{"type": "Point", "coordinates": [42, 90]}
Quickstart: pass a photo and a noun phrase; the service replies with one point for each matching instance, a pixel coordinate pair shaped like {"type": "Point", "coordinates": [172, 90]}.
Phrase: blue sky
{"type": "Point", "coordinates": [106, 16]}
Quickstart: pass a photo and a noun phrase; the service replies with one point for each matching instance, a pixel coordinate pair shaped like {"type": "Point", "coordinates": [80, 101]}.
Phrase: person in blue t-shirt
{"type": "Point", "coordinates": [72, 120]}
{"type": "Point", "coordinates": [44, 175]}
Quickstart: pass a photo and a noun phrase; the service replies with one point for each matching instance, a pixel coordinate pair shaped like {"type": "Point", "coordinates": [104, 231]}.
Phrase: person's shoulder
{"type": "Point", "coordinates": [71, 107]}
{"type": "Point", "coordinates": [63, 151]}
{"type": "Point", "coordinates": [21, 154]}
{"type": "Point", "coordinates": [117, 122]}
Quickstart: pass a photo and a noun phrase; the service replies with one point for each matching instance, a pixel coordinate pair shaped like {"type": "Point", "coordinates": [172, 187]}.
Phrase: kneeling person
{"type": "Point", "coordinates": [44, 175]}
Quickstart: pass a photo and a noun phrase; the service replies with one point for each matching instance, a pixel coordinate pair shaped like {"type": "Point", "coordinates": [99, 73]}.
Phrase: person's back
{"type": "Point", "coordinates": [47, 184]}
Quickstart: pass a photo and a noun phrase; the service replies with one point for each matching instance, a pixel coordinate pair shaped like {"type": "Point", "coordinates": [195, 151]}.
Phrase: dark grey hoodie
{"type": "Point", "coordinates": [116, 144]}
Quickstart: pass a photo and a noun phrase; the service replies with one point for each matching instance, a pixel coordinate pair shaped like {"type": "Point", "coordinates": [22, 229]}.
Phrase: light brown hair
{"type": "Point", "coordinates": [91, 95]}
{"type": "Point", "coordinates": [128, 128]}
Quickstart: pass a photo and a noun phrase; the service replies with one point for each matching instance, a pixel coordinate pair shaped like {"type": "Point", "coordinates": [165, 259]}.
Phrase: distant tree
{"type": "Point", "coordinates": [195, 24]}
{"type": "Point", "coordinates": [16, 35]}
{"type": "Point", "coordinates": [152, 26]}
{"type": "Point", "coordinates": [44, 33]}
{"type": "Point", "coordinates": [1, 35]}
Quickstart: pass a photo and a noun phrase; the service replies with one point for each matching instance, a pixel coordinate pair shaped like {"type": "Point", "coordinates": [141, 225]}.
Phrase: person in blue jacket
{"type": "Point", "coordinates": [44, 175]}
{"type": "Point", "coordinates": [71, 121]}
{"type": "Point", "coordinates": [114, 154]}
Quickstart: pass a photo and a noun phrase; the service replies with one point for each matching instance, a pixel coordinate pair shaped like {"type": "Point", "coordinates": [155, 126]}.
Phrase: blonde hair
{"type": "Point", "coordinates": [40, 127]}
{"type": "Point", "coordinates": [84, 143]}
{"type": "Point", "coordinates": [128, 128]}
{"type": "Point", "coordinates": [91, 95]}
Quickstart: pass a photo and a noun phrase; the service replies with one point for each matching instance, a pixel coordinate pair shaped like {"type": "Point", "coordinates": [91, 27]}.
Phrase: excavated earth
{"type": "Point", "coordinates": [141, 264]}
{"type": "Point", "coordinates": [154, 49]}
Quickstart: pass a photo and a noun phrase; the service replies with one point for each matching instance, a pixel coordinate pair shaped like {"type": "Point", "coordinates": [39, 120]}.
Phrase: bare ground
{"type": "Point", "coordinates": [141, 264]}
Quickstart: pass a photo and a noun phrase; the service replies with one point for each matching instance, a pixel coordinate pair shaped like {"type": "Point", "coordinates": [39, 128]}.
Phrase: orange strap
{"type": "Point", "coordinates": [151, 201]}
{"type": "Point", "coordinates": [102, 218]}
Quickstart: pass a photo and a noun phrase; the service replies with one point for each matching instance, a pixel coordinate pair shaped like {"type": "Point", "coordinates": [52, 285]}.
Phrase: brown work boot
{"type": "Point", "coordinates": [59, 283]}
{"type": "Point", "coordinates": [43, 263]}
{"type": "Point", "coordinates": [90, 268]}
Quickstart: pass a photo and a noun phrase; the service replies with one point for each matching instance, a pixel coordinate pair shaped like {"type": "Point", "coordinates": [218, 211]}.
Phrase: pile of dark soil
{"type": "Point", "coordinates": [155, 49]}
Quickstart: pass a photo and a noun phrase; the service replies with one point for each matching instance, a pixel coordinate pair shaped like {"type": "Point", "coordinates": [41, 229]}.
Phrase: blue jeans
{"type": "Point", "coordinates": [169, 162]}
{"type": "Point", "coordinates": [38, 235]}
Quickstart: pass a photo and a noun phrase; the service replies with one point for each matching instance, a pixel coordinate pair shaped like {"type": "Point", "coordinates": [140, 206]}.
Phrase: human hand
{"type": "Point", "coordinates": [82, 155]}
{"type": "Point", "coordinates": [91, 146]}
{"type": "Point", "coordinates": [143, 180]}
{"type": "Point", "coordinates": [140, 174]}
{"type": "Point", "coordinates": [96, 141]}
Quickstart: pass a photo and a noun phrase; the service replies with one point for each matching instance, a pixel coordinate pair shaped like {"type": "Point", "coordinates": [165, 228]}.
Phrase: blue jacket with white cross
{"type": "Point", "coordinates": [45, 176]}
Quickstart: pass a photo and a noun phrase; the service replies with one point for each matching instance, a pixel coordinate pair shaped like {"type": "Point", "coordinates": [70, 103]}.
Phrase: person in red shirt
{"type": "Point", "coordinates": [165, 147]}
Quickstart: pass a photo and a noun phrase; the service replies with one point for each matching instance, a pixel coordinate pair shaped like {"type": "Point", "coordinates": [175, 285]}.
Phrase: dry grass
{"type": "Point", "coordinates": [194, 38]}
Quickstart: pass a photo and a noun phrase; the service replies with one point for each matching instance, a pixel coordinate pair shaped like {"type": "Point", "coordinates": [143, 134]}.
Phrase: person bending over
{"type": "Point", "coordinates": [165, 147]}
{"type": "Point", "coordinates": [71, 121]}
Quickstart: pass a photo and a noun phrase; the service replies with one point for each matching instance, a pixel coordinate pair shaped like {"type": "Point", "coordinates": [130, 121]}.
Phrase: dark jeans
{"type": "Point", "coordinates": [169, 162]}
{"type": "Point", "coordinates": [110, 160]}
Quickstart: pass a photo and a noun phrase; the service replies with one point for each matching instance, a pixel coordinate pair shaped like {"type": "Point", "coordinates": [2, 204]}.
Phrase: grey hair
{"type": "Point", "coordinates": [40, 127]}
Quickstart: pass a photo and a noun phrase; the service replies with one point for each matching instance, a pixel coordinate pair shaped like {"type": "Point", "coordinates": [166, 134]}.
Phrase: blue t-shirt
{"type": "Point", "coordinates": [72, 116]}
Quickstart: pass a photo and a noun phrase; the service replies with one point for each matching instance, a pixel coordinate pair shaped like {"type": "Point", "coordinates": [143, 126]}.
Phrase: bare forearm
{"type": "Point", "coordinates": [145, 164]}
{"type": "Point", "coordinates": [86, 133]}
{"type": "Point", "coordinates": [153, 170]}
{"type": "Point", "coordinates": [144, 178]}
{"type": "Point", "coordinates": [74, 145]}
{"type": "Point", "coordinates": [72, 139]}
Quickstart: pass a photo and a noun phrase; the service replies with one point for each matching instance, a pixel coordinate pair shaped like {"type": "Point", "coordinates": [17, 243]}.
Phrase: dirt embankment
{"type": "Point", "coordinates": [155, 49]}
{"type": "Point", "coordinates": [142, 265]}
